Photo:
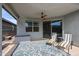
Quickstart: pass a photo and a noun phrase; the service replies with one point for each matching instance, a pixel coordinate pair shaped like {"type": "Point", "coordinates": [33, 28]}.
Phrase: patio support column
{"type": "Point", "coordinates": [21, 26]}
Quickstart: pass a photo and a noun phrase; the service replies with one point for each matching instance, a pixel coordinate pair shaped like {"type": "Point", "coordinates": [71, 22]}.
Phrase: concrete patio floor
{"type": "Point", "coordinates": [74, 51]}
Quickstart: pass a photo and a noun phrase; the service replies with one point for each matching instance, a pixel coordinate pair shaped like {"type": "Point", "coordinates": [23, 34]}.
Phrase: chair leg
{"type": "Point", "coordinates": [71, 44]}
{"type": "Point", "coordinates": [68, 50]}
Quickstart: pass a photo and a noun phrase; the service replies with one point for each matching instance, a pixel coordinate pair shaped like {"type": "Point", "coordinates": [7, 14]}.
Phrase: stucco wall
{"type": "Point", "coordinates": [0, 31]}
{"type": "Point", "coordinates": [71, 25]}
{"type": "Point", "coordinates": [21, 29]}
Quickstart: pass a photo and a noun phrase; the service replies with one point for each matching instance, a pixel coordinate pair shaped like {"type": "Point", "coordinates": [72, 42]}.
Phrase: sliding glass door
{"type": "Point", "coordinates": [47, 29]}
{"type": "Point", "coordinates": [56, 27]}
{"type": "Point", "coordinates": [50, 27]}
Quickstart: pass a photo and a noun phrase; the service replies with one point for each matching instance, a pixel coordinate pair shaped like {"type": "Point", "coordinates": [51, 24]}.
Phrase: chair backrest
{"type": "Point", "coordinates": [54, 36]}
{"type": "Point", "coordinates": [67, 37]}
{"type": "Point", "coordinates": [67, 40]}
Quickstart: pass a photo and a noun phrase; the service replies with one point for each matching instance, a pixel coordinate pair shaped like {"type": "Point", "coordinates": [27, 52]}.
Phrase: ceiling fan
{"type": "Point", "coordinates": [43, 16]}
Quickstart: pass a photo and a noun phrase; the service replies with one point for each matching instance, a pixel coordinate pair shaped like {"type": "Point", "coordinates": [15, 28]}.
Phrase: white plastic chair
{"type": "Point", "coordinates": [53, 39]}
{"type": "Point", "coordinates": [54, 36]}
{"type": "Point", "coordinates": [66, 43]}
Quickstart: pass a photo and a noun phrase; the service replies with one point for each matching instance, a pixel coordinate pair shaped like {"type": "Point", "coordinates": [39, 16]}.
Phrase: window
{"type": "Point", "coordinates": [32, 26]}
{"type": "Point", "coordinates": [28, 26]}
{"type": "Point", "coordinates": [36, 26]}
{"type": "Point", "coordinates": [36, 29]}
{"type": "Point", "coordinates": [28, 29]}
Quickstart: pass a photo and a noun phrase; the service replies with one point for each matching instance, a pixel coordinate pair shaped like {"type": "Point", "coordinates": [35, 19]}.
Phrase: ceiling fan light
{"type": "Point", "coordinates": [42, 17]}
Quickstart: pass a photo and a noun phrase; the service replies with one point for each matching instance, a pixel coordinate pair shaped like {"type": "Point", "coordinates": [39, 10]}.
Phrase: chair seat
{"type": "Point", "coordinates": [56, 44]}
{"type": "Point", "coordinates": [66, 43]}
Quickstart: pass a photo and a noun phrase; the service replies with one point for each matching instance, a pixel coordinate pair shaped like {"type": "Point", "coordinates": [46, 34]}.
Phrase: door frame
{"type": "Point", "coordinates": [51, 26]}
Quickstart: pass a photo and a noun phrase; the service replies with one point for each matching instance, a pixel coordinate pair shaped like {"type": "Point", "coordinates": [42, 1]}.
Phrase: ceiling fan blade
{"type": "Point", "coordinates": [44, 16]}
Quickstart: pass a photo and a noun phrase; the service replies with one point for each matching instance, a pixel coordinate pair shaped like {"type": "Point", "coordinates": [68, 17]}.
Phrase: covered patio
{"type": "Point", "coordinates": [39, 21]}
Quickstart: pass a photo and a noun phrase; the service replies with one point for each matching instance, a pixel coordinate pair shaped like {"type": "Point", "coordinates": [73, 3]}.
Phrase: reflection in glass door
{"type": "Point", "coordinates": [56, 27]}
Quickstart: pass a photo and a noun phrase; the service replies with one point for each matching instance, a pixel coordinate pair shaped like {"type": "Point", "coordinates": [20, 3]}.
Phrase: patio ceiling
{"type": "Point", "coordinates": [33, 10]}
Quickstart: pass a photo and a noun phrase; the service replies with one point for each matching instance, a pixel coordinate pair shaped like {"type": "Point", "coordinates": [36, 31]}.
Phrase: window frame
{"type": "Point", "coordinates": [26, 28]}
{"type": "Point", "coordinates": [32, 26]}
{"type": "Point", "coordinates": [35, 26]}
